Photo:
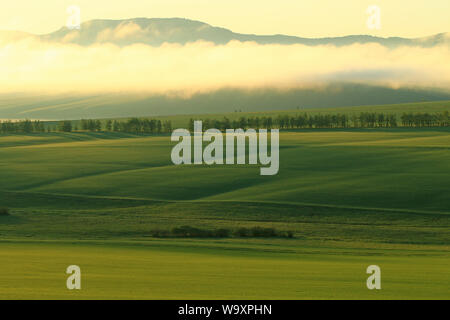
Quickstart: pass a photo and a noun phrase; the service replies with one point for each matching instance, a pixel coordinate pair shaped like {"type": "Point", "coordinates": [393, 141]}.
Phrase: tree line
{"type": "Point", "coordinates": [299, 121]}
{"type": "Point", "coordinates": [134, 125]}
{"type": "Point", "coordinates": [26, 126]}
{"type": "Point", "coordinates": [425, 119]}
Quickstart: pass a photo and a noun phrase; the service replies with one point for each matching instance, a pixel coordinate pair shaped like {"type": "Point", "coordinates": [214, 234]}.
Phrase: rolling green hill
{"type": "Point", "coordinates": [351, 198]}
{"type": "Point", "coordinates": [348, 168]}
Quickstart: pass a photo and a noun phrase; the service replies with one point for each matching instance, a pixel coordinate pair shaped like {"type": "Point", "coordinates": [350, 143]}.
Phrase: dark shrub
{"type": "Point", "coordinates": [241, 232]}
{"type": "Point", "coordinates": [263, 232]}
{"type": "Point", "coordinates": [184, 231]}
{"type": "Point", "coordinates": [4, 212]}
{"type": "Point", "coordinates": [160, 233]}
{"type": "Point", "coordinates": [222, 233]}
{"type": "Point", "coordinates": [187, 231]}
{"type": "Point", "coordinates": [192, 232]}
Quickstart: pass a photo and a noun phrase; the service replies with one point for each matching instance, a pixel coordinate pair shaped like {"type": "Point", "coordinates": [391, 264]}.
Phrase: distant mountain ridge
{"type": "Point", "coordinates": [78, 106]}
{"type": "Point", "coordinates": [156, 31]}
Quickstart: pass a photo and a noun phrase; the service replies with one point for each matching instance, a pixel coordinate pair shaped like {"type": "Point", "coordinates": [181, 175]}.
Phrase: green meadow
{"type": "Point", "coordinates": [351, 197]}
{"type": "Point", "coordinates": [192, 269]}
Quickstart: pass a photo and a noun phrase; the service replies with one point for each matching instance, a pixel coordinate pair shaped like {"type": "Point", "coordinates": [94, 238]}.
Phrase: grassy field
{"type": "Point", "coordinates": [351, 197]}
{"type": "Point", "coordinates": [190, 269]}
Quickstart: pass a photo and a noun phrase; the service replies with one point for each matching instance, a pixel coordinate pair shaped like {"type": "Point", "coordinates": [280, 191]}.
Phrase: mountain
{"type": "Point", "coordinates": [157, 31]}
{"type": "Point", "coordinates": [11, 36]}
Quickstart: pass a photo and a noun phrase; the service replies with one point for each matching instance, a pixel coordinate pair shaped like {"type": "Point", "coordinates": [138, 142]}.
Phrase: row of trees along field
{"type": "Point", "coordinates": [363, 120]}
{"type": "Point", "coordinates": [134, 125]}
{"type": "Point", "coordinates": [151, 126]}
{"type": "Point", "coordinates": [25, 126]}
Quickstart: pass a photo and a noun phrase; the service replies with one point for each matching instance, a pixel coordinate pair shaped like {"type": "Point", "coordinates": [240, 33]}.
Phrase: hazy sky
{"type": "Point", "coordinates": [175, 69]}
{"type": "Point", "coordinates": [308, 18]}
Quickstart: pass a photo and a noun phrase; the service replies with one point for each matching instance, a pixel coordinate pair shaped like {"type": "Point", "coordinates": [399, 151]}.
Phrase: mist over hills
{"type": "Point", "coordinates": [75, 106]}
{"type": "Point", "coordinates": [340, 89]}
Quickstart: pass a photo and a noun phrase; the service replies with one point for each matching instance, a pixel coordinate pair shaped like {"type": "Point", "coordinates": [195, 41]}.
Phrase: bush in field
{"type": "Point", "coordinates": [262, 232]}
{"type": "Point", "coordinates": [289, 234]}
{"type": "Point", "coordinates": [192, 232]}
{"type": "Point", "coordinates": [160, 233]}
{"type": "Point", "coordinates": [222, 233]}
{"type": "Point", "coordinates": [4, 212]}
{"type": "Point", "coordinates": [257, 232]}
{"type": "Point", "coordinates": [187, 231]}
{"type": "Point", "coordinates": [241, 232]}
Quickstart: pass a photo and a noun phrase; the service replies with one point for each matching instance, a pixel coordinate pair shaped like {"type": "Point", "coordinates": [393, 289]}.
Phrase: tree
{"type": "Point", "coordinates": [109, 125]}
{"type": "Point", "coordinates": [27, 126]}
{"type": "Point", "coordinates": [167, 126]}
{"type": "Point", "coordinates": [65, 126]}
{"type": "Point", "coordinates": [159, 126]}
{"type": "Point", "coordinates": [98, 125]}
{"type": "Point", "coordinates": [116, 126]}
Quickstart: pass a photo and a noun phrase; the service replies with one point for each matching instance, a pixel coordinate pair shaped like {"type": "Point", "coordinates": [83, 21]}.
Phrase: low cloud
{"type": "Point", "coordinates": [30, 65]}
{"type": "Point", "coordinates": [122, 31]}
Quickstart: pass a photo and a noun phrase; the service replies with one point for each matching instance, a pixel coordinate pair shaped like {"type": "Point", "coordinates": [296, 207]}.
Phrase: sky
{"type": "Point", "coordinates": [32, 64]}
{"type": "Point", "coordinates": [305, 18]}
